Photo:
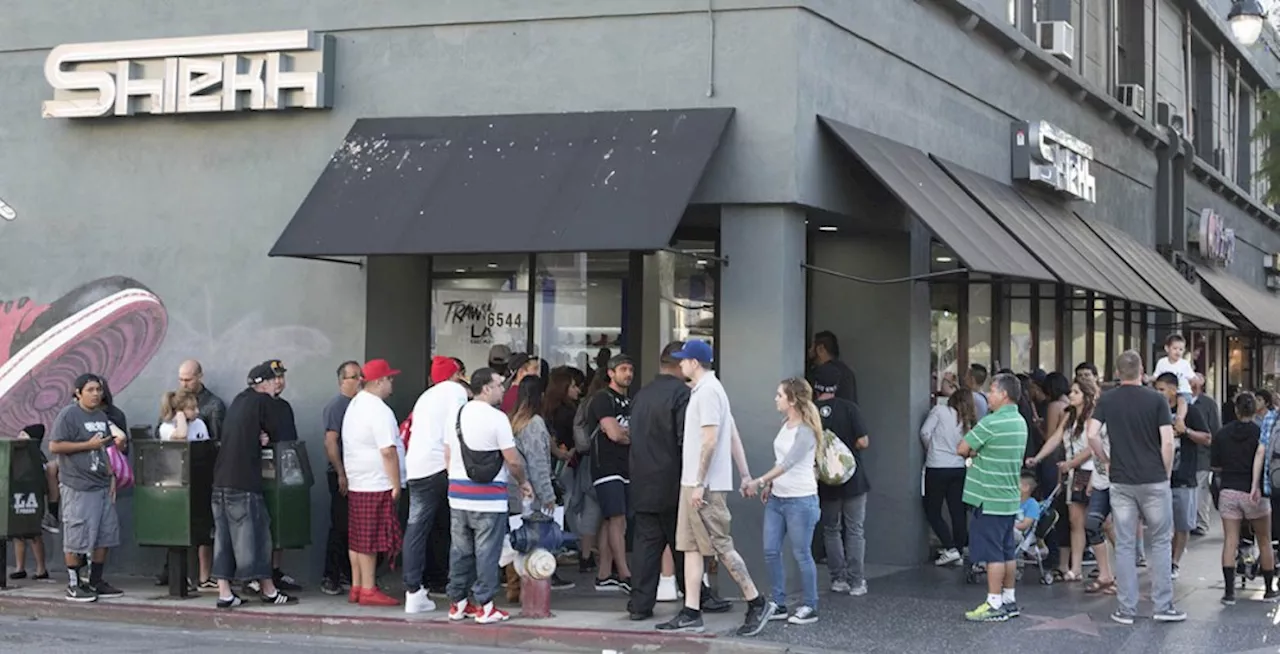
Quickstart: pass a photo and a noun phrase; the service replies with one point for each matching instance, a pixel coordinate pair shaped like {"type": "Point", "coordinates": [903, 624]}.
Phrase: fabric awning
{"type": "Point", "coordinates": [945, 208]}
{"type": "Point", "coordinates": [1162, 276]}
{"type": "Point", "coordinates": [1032, 230]}
{"type": "Point", "coordinates": [1093, 253]}
{"type": "Point", "coordinates": [569, 182]}
{"type": "Point", "coordinates": [1259, 308]}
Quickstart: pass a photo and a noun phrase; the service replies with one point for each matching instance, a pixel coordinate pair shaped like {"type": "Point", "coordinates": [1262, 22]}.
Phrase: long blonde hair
{"type": "Point", "coordinates": [173, 402]}
{"type": "Point", "coordinates": [800, 394]}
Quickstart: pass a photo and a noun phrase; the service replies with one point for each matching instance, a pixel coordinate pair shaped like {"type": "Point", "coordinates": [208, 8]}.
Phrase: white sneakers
{"type": "Point", "coordinates": [667, 591]}
{"type": "Point", "coordinates": [947, 557]}
{"type": "Point", "coordinates": [418, 602]}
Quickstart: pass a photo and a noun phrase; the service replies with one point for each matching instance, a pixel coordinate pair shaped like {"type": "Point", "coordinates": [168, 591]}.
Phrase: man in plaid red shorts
{"type": "Point", "coordinates": [369, 454]}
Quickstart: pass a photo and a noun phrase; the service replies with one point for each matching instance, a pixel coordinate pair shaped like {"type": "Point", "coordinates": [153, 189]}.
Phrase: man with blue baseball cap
{"type": "Point", "coordinates": [711, 446]}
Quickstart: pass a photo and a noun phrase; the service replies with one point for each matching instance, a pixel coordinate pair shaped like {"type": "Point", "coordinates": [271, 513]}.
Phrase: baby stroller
{"type": "Point", "coordinates": [1247, 566]}
{"type": "Point", "coordinates": [1029, 547]}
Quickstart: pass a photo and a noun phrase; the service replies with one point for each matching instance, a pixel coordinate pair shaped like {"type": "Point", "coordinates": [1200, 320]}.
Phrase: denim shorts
{"type": "Point", "coordinates": [991, 538]}
{"type": "Point", "coordinates": [241, 535]}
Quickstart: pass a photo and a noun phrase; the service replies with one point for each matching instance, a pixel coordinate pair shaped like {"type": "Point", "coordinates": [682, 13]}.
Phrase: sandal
{"type": "Point", "coordinates": [1101, 587]}
{"type": "Point", "coordinates": [1071, 576]}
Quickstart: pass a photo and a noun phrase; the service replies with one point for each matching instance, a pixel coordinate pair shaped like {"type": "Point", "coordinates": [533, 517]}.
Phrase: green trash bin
{"type": "Point", "coordinates": [22, 484]}
{"type": "Point", "coordinates": [172, 495]}
{"type": "Point", "coordinates": [286, 487]}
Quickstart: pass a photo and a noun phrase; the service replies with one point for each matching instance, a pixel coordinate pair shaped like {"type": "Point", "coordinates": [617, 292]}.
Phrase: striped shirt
{"type": "Point", "coordinates": [999, 441]}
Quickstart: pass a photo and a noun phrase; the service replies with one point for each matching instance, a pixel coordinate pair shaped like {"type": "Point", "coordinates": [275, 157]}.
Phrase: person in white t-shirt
{"type": "Point", "coordinates": [478, 507]}
{"type": "Point", "coordinates": [1175, 346]}
{"type": "Point", "coordinates": [434, 416]}
{"type": "Point", "coordinates": [180, 421]}
{"type": "Point", "coordinates": [711, 446]}
{"type": "Point", "coordinates": [372, 461]}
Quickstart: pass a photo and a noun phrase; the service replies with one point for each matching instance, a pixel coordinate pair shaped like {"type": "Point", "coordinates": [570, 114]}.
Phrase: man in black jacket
{"type": "Point", "coordinates": [657, 428]}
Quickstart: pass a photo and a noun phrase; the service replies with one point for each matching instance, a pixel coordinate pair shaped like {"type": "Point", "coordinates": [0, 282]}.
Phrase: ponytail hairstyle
{"type": "Point", "coordinates": [173, 402]}
{"type": "Point", "coordinates": [800, 394]}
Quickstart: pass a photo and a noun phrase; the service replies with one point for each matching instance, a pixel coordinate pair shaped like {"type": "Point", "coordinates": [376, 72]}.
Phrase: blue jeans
{"type": "Point", "coordinates": [241, 536]}
{"type": "Point", "coordinates": [796, 516]}
{"type": "Point", "coordinates": [426, 497]}
{"type": "Point", "coordinates": [474, 553]}
{"type": "Point", "coordinates": [1153, 504]}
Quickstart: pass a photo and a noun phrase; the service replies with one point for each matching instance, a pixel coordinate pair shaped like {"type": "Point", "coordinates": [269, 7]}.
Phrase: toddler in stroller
{"type": "Point", "coordinates": [1034, 522]}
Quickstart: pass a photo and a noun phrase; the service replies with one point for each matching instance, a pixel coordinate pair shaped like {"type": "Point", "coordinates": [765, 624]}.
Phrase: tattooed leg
{"type": "Point", "coordinates": [737, 569]}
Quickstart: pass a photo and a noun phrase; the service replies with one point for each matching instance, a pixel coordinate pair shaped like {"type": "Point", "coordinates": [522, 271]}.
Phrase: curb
{"type": "Point", "coordinates": [520, 635]}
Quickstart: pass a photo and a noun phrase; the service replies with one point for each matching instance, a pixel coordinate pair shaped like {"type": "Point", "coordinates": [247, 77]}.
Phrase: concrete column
{"type": "Point", "coordinates": [884, 335]}
{"type": "Point", "coordinates": [762, 319]}
{"type": "Point", "coordinates": [397, 301]}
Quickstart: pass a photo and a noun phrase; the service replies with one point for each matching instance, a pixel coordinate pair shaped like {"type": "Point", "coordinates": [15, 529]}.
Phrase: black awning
{"type": "Point", "coordinates": [1261, 309]}
{"type": "Point", "coordinates": [1159, 273]}
{"type": "Point", "coordinates": [926, 190]}
{"type": "Point", "coordinates": [1031, 229]}
{"type": "Point", "coordinates": [616, 180]}
{"type": "Point", "coordinates": [1093, 253]}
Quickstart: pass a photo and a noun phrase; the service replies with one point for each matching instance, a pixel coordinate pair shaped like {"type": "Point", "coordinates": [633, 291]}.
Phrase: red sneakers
{"type": "Point", "coordinates": [463, 610]}
{"type": "Point", "coordinates": [490, 614]}
{"type": "Point", "coordinates": [354, 596]}
{"type": "Point", "coordinates": [375, 597]}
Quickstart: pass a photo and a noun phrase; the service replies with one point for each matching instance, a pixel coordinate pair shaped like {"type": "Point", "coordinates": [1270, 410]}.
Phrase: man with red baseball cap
{"type": "Point", "coordinates": [434, 415]}
{"type": "Point", "coordinates": [372, 461]}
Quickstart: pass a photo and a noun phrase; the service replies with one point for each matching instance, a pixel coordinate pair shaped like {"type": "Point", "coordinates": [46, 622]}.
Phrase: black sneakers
{"type": "Point", "coordinates": [756, 618]}
{"type": "Point", "coordinates": [105, 590]}
{"type": "Point", "coordinates": [279, 599]}
{"type": "Point", "coordinates": [687, 621]}
{"type": "Point", "coordinates": [81, 593]}
{"type": "Point", "coordinates": [231, 603]}
{"type": "Point", "coordinates": [558, 583]}
{"type": "Point", "coordinates": [283, 581]}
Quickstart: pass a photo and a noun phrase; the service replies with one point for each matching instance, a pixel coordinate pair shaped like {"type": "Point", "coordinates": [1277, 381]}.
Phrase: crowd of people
{"type": "Point", "coordinates": [1106, 471]}
{"type": "Point", "coordinates": [510, 439]}
{"type": "Point", "coordinates": [1139, 460]}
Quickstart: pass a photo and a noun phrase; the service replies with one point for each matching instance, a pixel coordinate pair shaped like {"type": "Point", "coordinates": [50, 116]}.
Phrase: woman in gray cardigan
{"type": "Point", "coordinates": [533, 443]}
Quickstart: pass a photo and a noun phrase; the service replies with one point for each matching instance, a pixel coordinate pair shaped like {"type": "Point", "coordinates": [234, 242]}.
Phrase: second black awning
{"type": "Point", "coordinates": [1259, 308]}
{"type": "Point", "coordinates": [569, 182]}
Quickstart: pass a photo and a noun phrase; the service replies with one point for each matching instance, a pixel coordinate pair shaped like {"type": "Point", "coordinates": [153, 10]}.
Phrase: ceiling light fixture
{"type": "Point", "coordinates": [492, 264]}
{"type": "Point", "coordinates": [828, 228]}
{"type": "Point", "coordinates": [943, 259]}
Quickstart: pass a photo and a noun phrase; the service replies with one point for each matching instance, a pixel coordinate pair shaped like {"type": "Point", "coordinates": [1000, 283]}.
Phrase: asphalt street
{"type": "Point", "coordinates": [69, 637]}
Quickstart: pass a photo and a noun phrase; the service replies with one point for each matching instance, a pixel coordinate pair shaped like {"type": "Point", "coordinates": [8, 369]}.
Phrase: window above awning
{"type": "Point", "coordinates": [569, 182]}
{"type": "Point", "coordinates": [1261, 309]}
{"type": "Point", "coordinates": [945, 208]}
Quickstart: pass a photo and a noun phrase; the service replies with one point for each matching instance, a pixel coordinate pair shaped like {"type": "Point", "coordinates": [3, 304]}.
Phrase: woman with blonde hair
{"type": "Point", "coordinates": [789, 491]}
{"type": "Point", "coordinates": [180, 421]}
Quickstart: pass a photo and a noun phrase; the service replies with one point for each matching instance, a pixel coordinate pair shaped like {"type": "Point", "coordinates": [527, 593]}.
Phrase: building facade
{"type": "Point", "coordinates": [410, 179]}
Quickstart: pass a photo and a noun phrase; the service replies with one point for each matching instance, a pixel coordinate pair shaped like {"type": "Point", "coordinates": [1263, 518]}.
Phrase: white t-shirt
{"type": "Point", "coordinates": [196, 431]}
{"type": "Point", "coordinates": [1101, 479]}
{"type": "Point", "coordinates": [708, 407]}
{"type": "Point", "coordinates": [1182, 369]}
{"type": "Point", "coordinates": [368, 427]}
{"type": "Point", "coordinates": [434, 417]}
{"type": "Point", "coordinates": [486, 429]}
{"type": "Point", "coordinates": [795, 449]}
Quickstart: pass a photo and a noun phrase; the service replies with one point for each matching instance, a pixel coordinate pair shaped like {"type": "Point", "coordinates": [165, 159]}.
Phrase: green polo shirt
{"type": "Point", "coordinates": [1000, 441]}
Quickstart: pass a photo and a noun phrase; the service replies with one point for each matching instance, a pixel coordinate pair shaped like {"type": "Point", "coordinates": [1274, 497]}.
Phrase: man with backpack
{"type": "Point", "coordinates": [844, 507]}
{"type": "Point", "coordinates": [480, 455]}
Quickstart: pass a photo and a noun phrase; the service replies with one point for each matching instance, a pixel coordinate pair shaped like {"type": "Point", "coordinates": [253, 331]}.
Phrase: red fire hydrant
{"type": "Point", "coordinates": [535, 570]}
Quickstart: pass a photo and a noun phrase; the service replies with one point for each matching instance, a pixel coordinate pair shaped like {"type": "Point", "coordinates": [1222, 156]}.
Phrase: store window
{"type": "Point", "coordinates": [1118, 331]}
{"type": "Point", "coordinates": [1271, 366]}
{"type": "Point", "coordinates": [580, 307]}
{"type": "Point", "coordinates": [944, 332]}
{"type": "Point", "coordinates": [1019, 328]}
{"type": "Point", "coordinates": [1102, 356]}
{"type": "Point", "coordinates": [979, 324]}
{"type": "Point", "coordinates": [1078, 327]}
{"type": "Point", "coordinates": [1047, 327]}
{"type": "Point", "coordinates": [477, 302]}
{"type": "Point", "coordinates": [687, 292]}
{"type": "Point", "coordinates": [1240, 361]}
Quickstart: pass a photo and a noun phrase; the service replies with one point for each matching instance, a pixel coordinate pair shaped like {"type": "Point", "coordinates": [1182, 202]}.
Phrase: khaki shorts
{"type": "Point", "coordinates": [705, 530]}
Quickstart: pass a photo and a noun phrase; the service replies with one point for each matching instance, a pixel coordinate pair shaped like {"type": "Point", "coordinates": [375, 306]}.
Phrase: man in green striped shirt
{"type": "Point", "coordinates": [997, 445]}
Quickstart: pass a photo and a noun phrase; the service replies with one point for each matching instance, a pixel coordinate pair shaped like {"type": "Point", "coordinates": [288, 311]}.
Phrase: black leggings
{"type": "Point", "coordinates": [946, 485]}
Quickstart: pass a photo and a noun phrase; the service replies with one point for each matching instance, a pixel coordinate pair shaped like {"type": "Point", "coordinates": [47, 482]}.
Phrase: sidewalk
{"type": "Point", "coordinates": [912, 610]}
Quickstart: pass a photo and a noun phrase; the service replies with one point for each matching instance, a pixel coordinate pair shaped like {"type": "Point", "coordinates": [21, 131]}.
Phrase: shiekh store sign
{"type": "Point", "coordinates": [264, 71]}
{"type": "Point", "coordinates": [1050, 158]}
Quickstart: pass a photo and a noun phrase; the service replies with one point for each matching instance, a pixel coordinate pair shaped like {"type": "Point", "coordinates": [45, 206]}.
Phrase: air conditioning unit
{"type": "Point", "coordinates": [1134, 97]}
{"type": "Point", "coordinates": [1273, 283]}
{"type": "Point", "coordinates": [1058, 38]}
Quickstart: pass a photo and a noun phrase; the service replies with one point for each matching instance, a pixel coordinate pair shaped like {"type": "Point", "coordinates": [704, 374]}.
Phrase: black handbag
{"type": "Point", "coordinates": [481, 467]}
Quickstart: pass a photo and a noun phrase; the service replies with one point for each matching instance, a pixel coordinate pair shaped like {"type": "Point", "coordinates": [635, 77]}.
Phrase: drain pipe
{"type": "Point", "coordinates": [711, 50]}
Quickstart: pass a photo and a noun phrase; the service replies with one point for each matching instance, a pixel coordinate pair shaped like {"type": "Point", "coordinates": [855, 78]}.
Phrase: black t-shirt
{"type": "Point", "coordinates": [239, 464]}
{"type": "Point", "coordinates": [1232, 451]}
{"type": "Point", "coordinates": [332, 417]}
{"type": "Point", "coordinates": [1186, 456]}
{"type": "Point", "coordinates": [1133, 416]}
{"type": "Point", "coordinates": [657, 431]}
{"type": "Point", "coordinates": [844, 419]}
{"type": "Point", "coordinates": [284, 426]}
{"type": "Point", "coordinates": [610, 459]}
{"type": "Point", "coordinates": [561, 424]}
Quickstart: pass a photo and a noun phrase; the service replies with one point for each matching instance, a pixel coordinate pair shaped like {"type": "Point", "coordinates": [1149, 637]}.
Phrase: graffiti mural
{"type": "Point", "coordinates": [111, 326]}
